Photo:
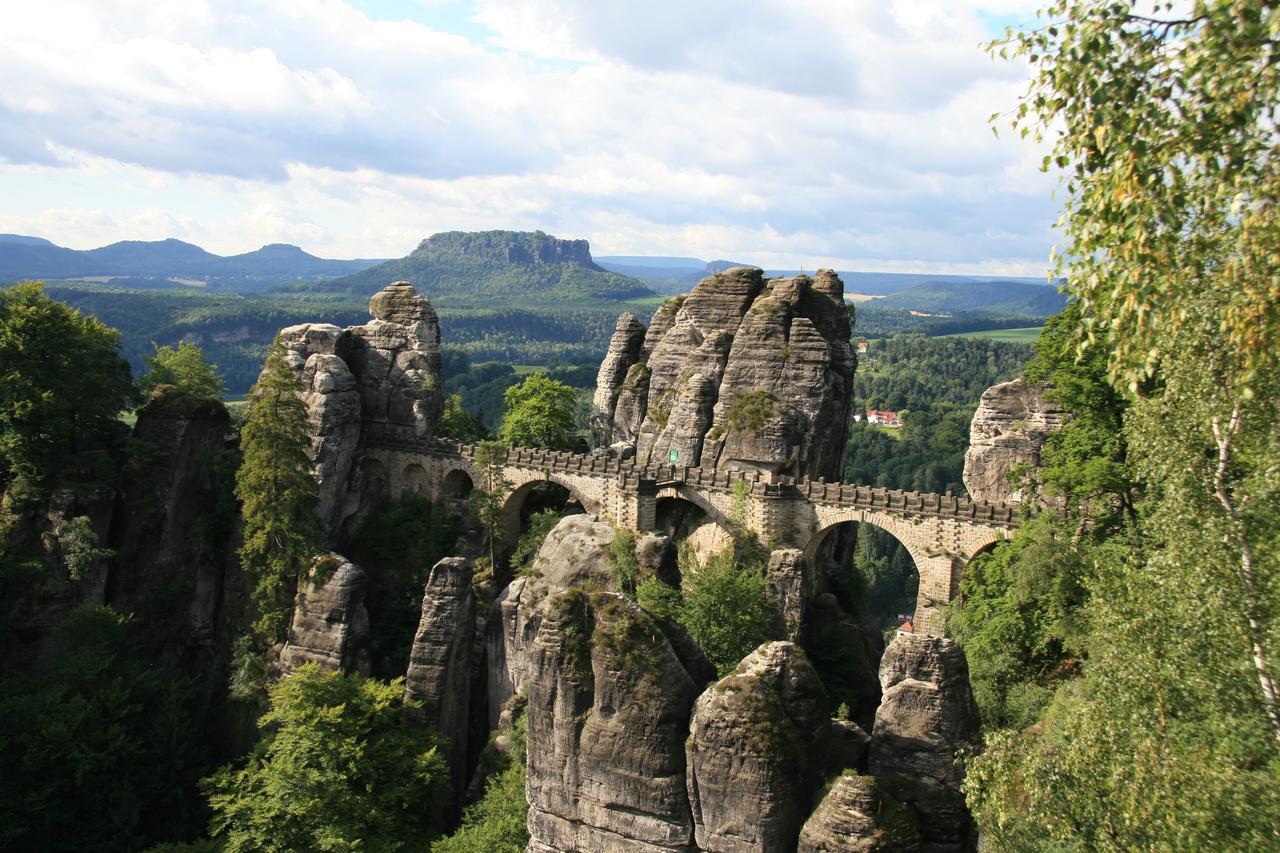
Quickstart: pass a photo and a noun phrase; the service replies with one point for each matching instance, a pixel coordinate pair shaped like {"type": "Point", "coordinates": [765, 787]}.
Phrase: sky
{"type": "Point", "coordinates": [786, 133]}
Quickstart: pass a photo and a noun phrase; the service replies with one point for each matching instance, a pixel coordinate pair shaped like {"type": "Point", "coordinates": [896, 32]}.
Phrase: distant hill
{"type": "Point", "coordinates": [663, 274]}
{"type": "Point", "coordinates": [1009, 297]}
{"type": "Point", "coordinates": [498, 269]}
{"type": "Point", "coordinates": [679, 275]}
{"type": "Point", "coordinates": [24, 257]}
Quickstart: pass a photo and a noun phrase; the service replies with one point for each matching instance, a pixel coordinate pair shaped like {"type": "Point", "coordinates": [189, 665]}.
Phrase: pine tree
{"type": "Point", "coordinates": [282, 534]}
{"type": "Point", "coordinates": [489, 500]}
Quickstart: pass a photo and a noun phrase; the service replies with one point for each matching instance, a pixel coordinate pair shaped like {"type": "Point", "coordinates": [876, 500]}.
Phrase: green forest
{"type": "Point", "coordinates": [1121, 644]}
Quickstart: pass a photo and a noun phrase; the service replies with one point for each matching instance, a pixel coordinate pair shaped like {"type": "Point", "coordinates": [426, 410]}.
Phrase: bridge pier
{"type": "Point", "coordinates": [940, 532]}
{"type": "Point", "coordinates": [939, 585]}
{"type": "Point", "coordinates": [635, 503]}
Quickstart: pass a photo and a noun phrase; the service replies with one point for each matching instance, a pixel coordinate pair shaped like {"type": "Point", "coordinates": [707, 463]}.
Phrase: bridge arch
{"type": "Point", "coordinates": [937, 571]}
{"type": "Point", "coordinates": [456, 484]}
{"type": "Point", "coordinates": [897, 528]}
{"type": "Point", "coordinates": [414, 480]}
{"type": "Point", "coordinates": [523, 485]}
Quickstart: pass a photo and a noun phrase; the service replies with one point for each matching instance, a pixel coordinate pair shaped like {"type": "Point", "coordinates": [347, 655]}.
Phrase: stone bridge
{"type": "Point", "coordinates": [940, 532]}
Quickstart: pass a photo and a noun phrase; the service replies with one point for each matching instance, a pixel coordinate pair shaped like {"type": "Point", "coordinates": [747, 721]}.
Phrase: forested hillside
{"type": "Point", "coordinates": [934, 385]}
{"type": "Point", "coordinates": [1123, 646]}
{"type": "Point", "coordinates": [508, 267]}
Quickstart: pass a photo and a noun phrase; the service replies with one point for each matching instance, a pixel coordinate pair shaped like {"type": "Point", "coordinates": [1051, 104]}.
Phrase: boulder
{"type": "Point", "coordinates": [742, 373]}
{"type": "Point", "coordinates": [608, 710]}
{"type": "Point", "coordinates": [396, 360]}
{"type": "Point", "coordinates": [438, 678]}
{"type": "Point", "coordinates": [1012, 422]}
{"type": "Point", "coordinates": [927, 716]}
{"type": "Point", "coordinates": [755, 752]}
{"type": "Point", "coordinates": [857, 816]}
{"type": "Point", "coordinates": [849, 746]}
{"type": "Point", "coordinates": [330, 626]}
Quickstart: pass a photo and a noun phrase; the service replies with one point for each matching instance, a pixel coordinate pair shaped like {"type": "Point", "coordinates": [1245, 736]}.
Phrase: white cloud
{"type": "Point", "coordinates": [850, 131]}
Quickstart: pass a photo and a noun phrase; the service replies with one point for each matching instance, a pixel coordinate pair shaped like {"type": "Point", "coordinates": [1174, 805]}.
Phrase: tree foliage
{"type": "Point", "coordinates": [540, 412]}
{"type": "Point", "coordinates": [185, 368]}
{"type": "Point", "coordinates": [457, 423]}
{"type": "Point", "coordinates": [100, 749]}
{"type": "Point", "coordinates": [278, 494]}
{"type": "Point", "coordinates": [489, 498]}
{"type": "Point", "coordinates": [397, 546]}
{"type": "Point", "coordinates": [497, 822]}
{"type": "Point", "coordinates": [541, 523]}
{"type": "Point", "coordinates": [724, 605]}
{"type": "Point", "coordinates": [339, 767]}
{"type": "Point", "coordinates": [62, 387]}
{"type": "Point", "coordinates": [1170, 737]}
{"type": "Point", "coordinates": [1164, 125]}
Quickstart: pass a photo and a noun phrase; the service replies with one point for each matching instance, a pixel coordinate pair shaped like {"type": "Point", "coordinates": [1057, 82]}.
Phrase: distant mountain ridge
{"type": "Point", "coordinates": [491, 268]}
{"type": "Point", "coordinates": [923, 292]}
{"type": "Point", "coordinates": [995, 297]}
{"type": "Point", "coordinates": [24, 257]}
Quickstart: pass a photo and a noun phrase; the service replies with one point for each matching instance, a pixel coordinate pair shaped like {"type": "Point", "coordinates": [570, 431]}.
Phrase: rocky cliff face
{"type": "Point", "coordinates": [439, 673]}
{"type": "Point", "coordinates": [574, 554]}
{"type": "Point", "coordinates": [513, 247]}
{"type": "Point", "coordinates": [609, 703]}
{"type": "Point", "coordinates": [742, 372]}
{"type": "Point", "coordinates": [173, 528]}
{"type": "Point", "coordinates": [1010, 427]}
{"type": "Point", "coordinates": [857, 816]}
{"type": "Point", "coordinates": [329, 626]}
{"type": "Point", "coordinates": [927, 715]}
{"type": "Point", "coordinates": [386, 371]}
{"type": "Point", "coordinates": [754, 752]}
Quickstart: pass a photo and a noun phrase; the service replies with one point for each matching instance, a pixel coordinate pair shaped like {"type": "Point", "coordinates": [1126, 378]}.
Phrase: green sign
{"type": "Point", "coordinates": [674, 456]}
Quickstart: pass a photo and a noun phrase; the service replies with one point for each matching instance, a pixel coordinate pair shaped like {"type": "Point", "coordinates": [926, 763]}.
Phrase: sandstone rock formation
{"type": "Point", "coordinates": [330, 626]}
{"type": "Point", "coordinates": [1010, 427]}
{"type": "Point", "coordinates": [857, 816]}
{"type": "Point", "coordinates": [848, 747]}
{"type": "Point", "coordinates": [788, 588]}
{"type": "Point", "coordinates": [742, 372]}
{"type": "Point", "coordinates": [857, 651]}
{"type": "Point", "coordinates": [168, 530]}
{"type": "Point", "coordinates": [927, 715]}
{"type": "Point", "coordinates": [754, 752]}
{"type": "Point", "coordinates": [609, 703]}
{"type": "Point", "coordinates": [575, 553]}
{"type": "Point", "coordinates": [386, 371]}
{"type": "Point", "coordinates": [439, 673]}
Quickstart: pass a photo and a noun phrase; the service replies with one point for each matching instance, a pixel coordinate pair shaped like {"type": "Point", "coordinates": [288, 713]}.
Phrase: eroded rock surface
{"type": "Point", "coordinates": [788, 588]}
{"type": "Point", "coordinates": [169, 532]}
{"type": "Point", "coordinates": [754, 752]}
{"type": "Point", "coordinates": [928, 714]}
{"type": "Point", "coordinates": [439, 673]}
{"type": "Point", "coordinates": [386, 371]}
{"type": "Point", "coordinates": [608, 711]}
{"type": "Point", "coordinates": [742, 372]}
{"type": "Point", "coordinates": [857, 816]}
{"type": "Point", "coordinates": [575, 553]}
{"type": "Point", "coordinates": [1010, 427]}
{"type": "Point", "coordinates": [330, 626]}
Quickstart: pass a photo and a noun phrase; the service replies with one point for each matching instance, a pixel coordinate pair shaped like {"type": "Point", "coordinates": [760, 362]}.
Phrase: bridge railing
{"type": "Point", "coordinates": [759, 483]}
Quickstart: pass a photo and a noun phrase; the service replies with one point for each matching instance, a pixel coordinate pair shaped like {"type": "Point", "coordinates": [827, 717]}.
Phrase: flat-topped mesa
{"type": "Point", "coordinates": [743, 373]}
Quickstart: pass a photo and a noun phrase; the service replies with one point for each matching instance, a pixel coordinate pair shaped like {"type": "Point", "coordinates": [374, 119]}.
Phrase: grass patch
{"type": "Point", "coordinates": [1027, 335]}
